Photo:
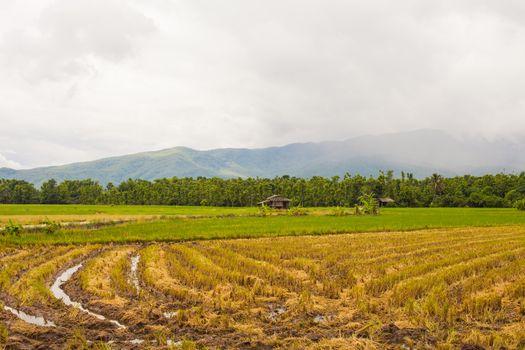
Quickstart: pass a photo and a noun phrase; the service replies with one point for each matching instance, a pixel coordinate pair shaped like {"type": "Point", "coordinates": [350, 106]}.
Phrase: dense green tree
{"type": "Point", "coordinates": [500, 190]}
{"type": "Point", "coordinates": [50, 193]}
{"type": "Point", "coordinates": [18, 192]}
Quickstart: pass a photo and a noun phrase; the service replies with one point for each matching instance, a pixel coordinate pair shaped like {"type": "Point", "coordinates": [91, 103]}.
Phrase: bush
{"type": "Point", "coordinates": [264, 210]}
{"type": "Point", "coordinates": [12, 229]}
{"type": "Point", "coordinates": [369, 205]}
{"type": "Point", "coordinates": [339, 211]}
{"type": "Point", "coordinates": [513, 196]}
{"type": "Point", "coordinates": [520, 205]}
{"type": "Point", "coordinates": [51, 226]}
{"type": "Point", "coordinates": [481, 200]}
{"type": "Point", "coordinates": [297, 211]}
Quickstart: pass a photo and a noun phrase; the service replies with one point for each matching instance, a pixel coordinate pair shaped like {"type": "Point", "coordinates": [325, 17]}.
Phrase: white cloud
{"type": "Point", "coordinates": [91, 78]}
{"type": "Point", "coordinates": [69, 37]}
{"type": "Point", "coordinates": [6, 163]}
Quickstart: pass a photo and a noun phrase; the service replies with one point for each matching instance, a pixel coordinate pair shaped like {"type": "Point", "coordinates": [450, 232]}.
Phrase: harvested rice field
{"type": "Point", "coordinates": [458, 288]}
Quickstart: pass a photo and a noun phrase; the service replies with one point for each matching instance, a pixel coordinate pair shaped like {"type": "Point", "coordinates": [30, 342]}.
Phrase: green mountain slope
{"type": "Point", "coordinates": [420, 152]}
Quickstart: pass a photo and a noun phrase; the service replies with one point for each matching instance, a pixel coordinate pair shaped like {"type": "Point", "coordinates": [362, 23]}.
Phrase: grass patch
{"type": "Point", "coordinates": [247, 227]}
{"type": "Point", "coordinates": [69, 209]}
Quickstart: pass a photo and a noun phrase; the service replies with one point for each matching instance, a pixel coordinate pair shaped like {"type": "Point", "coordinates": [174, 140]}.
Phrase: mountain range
{"type": "Point", "coordinates": [421, 152]}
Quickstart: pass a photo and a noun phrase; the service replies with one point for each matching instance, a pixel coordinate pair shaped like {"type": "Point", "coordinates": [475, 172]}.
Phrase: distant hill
{"type": "Point", "coordinates": [421, 152]}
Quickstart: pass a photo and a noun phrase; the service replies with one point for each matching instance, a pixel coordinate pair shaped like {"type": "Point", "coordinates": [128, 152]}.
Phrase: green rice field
{"type": "Point", "coordinates": [197, 223]}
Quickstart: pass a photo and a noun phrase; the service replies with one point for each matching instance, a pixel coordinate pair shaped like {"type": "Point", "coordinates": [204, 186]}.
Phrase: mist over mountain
{"type": "Point", "coordinates": [420, 152]}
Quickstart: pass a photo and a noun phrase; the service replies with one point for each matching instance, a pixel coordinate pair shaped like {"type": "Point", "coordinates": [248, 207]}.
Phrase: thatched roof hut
{"type": "Point", "coordinates": [383, 201]}
{"type": "Point", "coordinates": [276, 201]}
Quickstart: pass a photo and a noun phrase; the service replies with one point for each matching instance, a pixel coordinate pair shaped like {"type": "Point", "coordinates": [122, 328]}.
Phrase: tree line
{"type": "Point", "coordinates": [500, 190]}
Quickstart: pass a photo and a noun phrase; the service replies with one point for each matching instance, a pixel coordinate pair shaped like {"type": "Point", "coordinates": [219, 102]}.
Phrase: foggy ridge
{"type": "Point", "coordinates": [420, 152]}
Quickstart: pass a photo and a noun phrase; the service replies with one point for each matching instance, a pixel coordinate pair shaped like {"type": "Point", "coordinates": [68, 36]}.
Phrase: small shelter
{"type": "Point", "coordinates": [384, 201]}
{"type": "Point", "coordinates": [276, 201]}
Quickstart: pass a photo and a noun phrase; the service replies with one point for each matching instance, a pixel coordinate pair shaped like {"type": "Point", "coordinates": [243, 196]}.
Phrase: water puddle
{"type": "Point", "coordinates": [59, 293]}
{"type": "Point", "coordinates": [35, 320]}
{"type": "Point", "coordinates": [323, 318]}
{"type": "Point", "coordinates": [319, 319]}
{"type": "Point", "coordinates": [275, 311]}
{"type": "Point", "coordinates": [170, 314]}
{"type": "Point", "coordinates": [133, 276]}
{"type": "Point", "coordinates": [170, 342]}
{"type": "Point", "coordinates": [138, 341]}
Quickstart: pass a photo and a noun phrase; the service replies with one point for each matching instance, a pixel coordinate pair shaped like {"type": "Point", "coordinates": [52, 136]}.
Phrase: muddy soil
{"type": "Point", "coordinates": [151, 319]}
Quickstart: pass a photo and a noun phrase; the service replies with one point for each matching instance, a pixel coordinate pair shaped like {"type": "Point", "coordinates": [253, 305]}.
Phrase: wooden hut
{"type": "Point", "coordinates": [276, 201]}
{"type": "Point", "coordinates": [384, 201]}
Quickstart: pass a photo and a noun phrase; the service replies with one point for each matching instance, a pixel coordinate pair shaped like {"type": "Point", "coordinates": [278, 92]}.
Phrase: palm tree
{"type": "Point", "coordinates": [437, 185]}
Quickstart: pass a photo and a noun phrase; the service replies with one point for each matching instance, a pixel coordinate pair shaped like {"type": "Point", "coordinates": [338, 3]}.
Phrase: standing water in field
{"type": "Point", "coordinates": [59, 293]}
{"type": "Point", "coordinates": [36, 320]}
{"type": "Point", "coordinates": [133, 276]}
{"type": "Point", "coordinates": [275, 312]}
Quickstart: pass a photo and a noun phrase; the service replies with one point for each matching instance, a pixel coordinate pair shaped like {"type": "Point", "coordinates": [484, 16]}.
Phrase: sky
{"type": "Point", "coordinates": [85, 79]}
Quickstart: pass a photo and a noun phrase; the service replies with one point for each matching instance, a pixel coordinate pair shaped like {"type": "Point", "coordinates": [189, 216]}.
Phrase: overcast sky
{"type": "Point", "coordinates": [84, 79]}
